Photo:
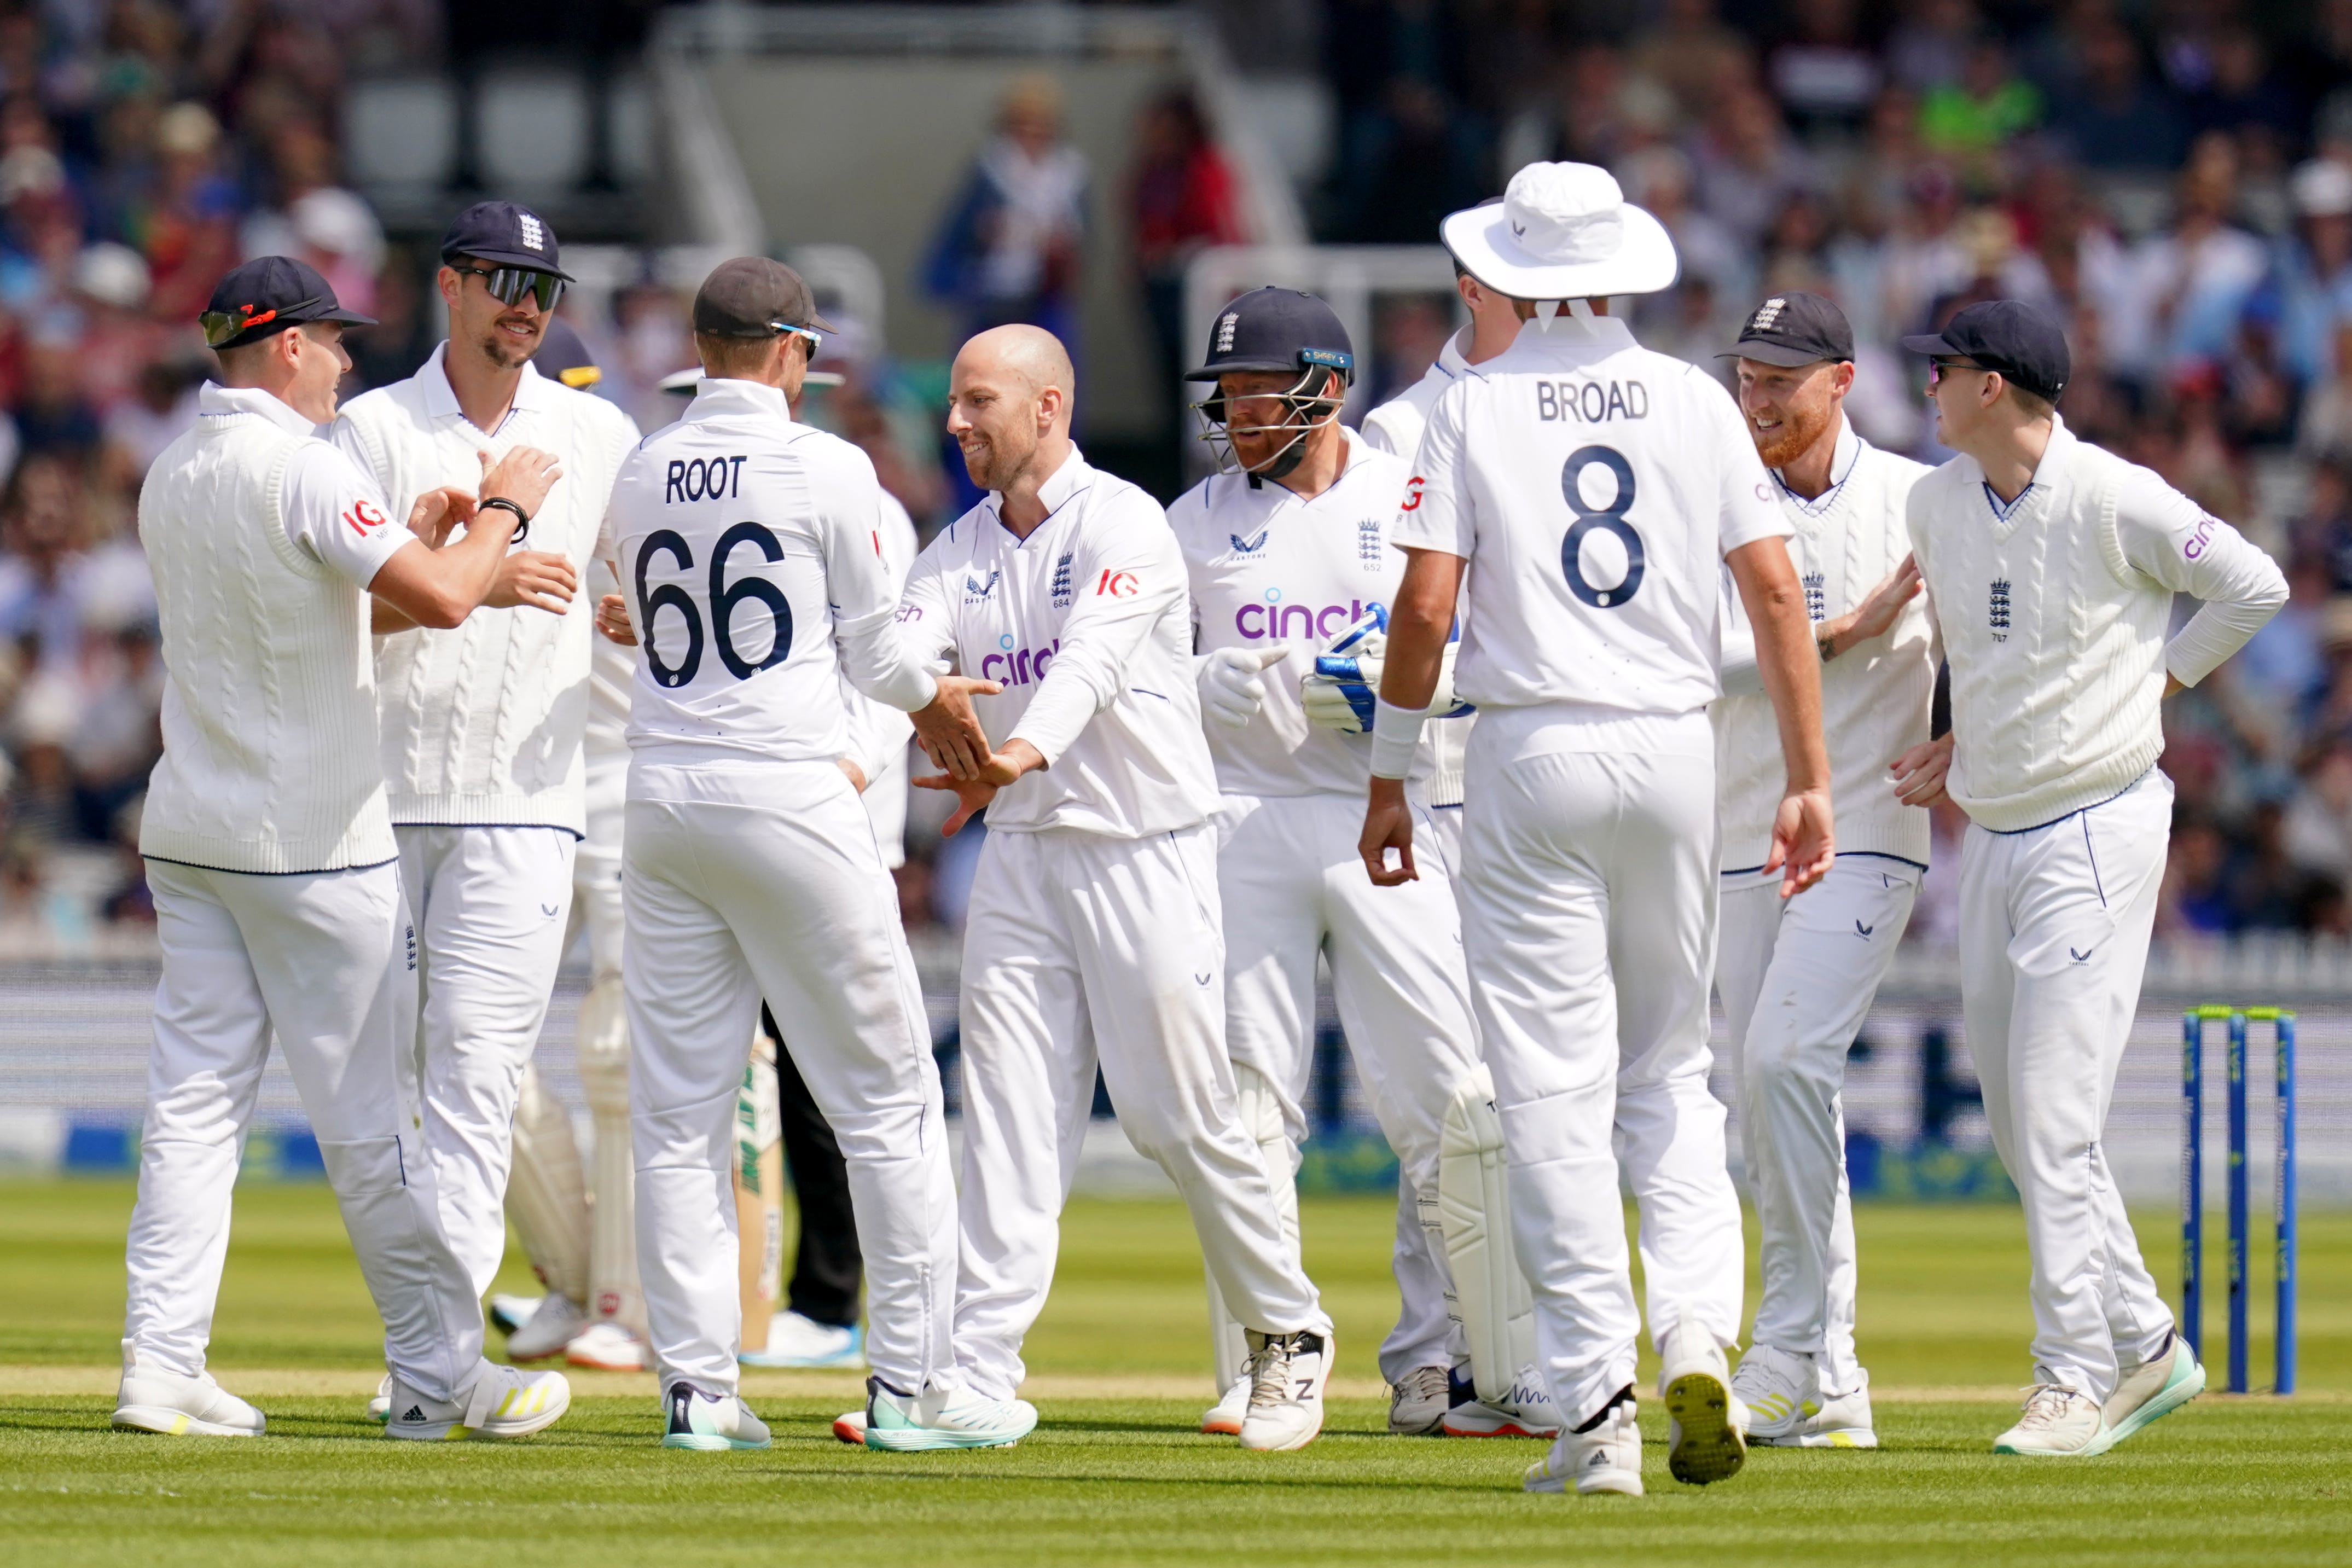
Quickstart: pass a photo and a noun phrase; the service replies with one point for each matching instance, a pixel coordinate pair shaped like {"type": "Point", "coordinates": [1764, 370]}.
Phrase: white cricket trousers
{"type": "Point", "coordinates": [1078, 948]}
{"type": "Point", "coordinates": [2054, 925]}
{"type": "Point", "coordinates": [1588, 911]}
{"type": "Point", "coordinates": [1294, 887]}
{"type": "Point", "coordinates": [762, 879]}
{"type": "Point", "coordinates": [492, 905]}
{"type": "Point", "coordinates": [1797, 977]}
{"type": "Point", "coordinates": [325, 959]}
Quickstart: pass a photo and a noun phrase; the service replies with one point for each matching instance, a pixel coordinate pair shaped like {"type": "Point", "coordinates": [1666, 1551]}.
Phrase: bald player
{"type": "Point", "coordinates": [1093, 932]}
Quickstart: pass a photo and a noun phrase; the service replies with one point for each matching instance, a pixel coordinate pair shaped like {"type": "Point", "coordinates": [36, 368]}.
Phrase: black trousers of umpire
{"type": "Point", "coordinates": [827, 1268]}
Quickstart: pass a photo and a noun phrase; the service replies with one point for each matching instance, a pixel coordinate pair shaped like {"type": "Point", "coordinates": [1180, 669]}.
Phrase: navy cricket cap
{"type": "Point", "coordinates": [755, 297]}
{"type": "Point", "coordinates": [1277, 330]}
{"type": "Point", "coordinates": [2006, 335]}
{"type": "Point", "coordinates": [564, 356]}
{"type": "Point", "coordinates": [504, 234]}
{"type": "Point", "coordinates": [1794, 328]}
{"type": "Point", "coordinates": [267, 295]}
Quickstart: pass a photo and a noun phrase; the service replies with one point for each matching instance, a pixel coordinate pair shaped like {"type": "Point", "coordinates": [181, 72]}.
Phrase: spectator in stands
{"type": "Point", "coordinates": [1822, 74]}
{"type": "Point", "coordinates": [1181, 201]}
{"type": "Point", "coordinates": [1009, 248]}
{"type": "Point", "coordinates": [2179, 299]}
{"type": "Point", "coordinates": [2113, 117]}
{"type": "Point", "coordinates": [1983, 108]}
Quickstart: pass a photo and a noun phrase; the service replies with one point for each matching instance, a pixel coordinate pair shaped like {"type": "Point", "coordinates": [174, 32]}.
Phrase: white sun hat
{"type": "Point", "coordinates": [1562, 231]}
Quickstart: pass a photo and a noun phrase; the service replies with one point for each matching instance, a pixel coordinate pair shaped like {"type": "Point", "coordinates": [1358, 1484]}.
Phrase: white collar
{"type": "Point", "coordinates": [1570, 337]}
{"type": "Point", "coordinates": [719, 397]}
{"type": "Point", "coordinates": [441, 398]}
{"type": "Point", "coordinates": [2063, 442]}
{"type": "Point", "coordinates": [1449, 354]}
{"type": "Point", "coordinates": [216, 400]}
{"type": "Point", "coordinates": [1068, 480]}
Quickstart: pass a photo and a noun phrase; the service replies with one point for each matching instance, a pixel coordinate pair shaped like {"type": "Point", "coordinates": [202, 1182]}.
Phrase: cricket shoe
{"type": "Point", "coordinates": [543, 1336]}
{"type": "Point", "coordinates": [2153, 1389]}
{"type": "Point", "coordinates": [1781, 1392]}
{"type": "Point", "coordinates": [2058, 1423]}
{"type": "Point", "coordinates": [1525, 1409]}
{"type": "Point", "coordinates": [1286, 1375]}
{"type": "Point", "coordinates": [608, 1345]}
{"type": "Point", "coordinates": [509, 1313]}
{"type": "Point", "coordinates": [1605, 1457]}
{"type": "Point", "coordinates": [1704, 1442]}
{"type": "Point", "coordinates": [1225, 1418]}
{"type": "Point", "coordinates": [849, 1428]}
{"type": "Point", "coordinates": [951, 1418]}
{"type": "Point", "coordinates": [1417, 1405]}
{"type": "Point", "coordinates": [151, 1399]}
{"type": "Point", "coordinates": [711, 1426]}
{"type": "Point", "coordinates": [501, 1403]}
{"type": "Point", "coordinates": [796, 1340]}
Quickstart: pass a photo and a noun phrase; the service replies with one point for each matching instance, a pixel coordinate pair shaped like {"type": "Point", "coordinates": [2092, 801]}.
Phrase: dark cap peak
{"type": "Point", "coordinates": [755, 297]}
{"type": "Point", "coordinates": [267, 295]}
{"type": "Point", "coordinates": [2026, 345]}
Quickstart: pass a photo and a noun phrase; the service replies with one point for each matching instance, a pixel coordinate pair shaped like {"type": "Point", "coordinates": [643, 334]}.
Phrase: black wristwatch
{"type": "Point", "coordinates": [522, 518]}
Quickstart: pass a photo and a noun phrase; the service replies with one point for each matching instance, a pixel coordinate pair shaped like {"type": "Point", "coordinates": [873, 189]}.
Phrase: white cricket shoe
{"type": "Point", "coordinates": [151, 1399]}
{"type": "Point", "coordinates": [1226, 1416]}
{"type": "Point", "coordinates": [710, 1425]}
{"type": "Point", "coordinates": [951, 1418]}
{"type": "Point", "coordinates": [1607, 1459]}
{"type": "Point", "coordinates": [2058, 1423]}
{"type": "Point", "coordinates": [2152, 1390]}
{"type": "Point", "coordinates": [849, 1428]}
{"type": "Point", "coordinates": [607, 1346]}
{"type": "Point", "coordinates": [554, 1325]}
{"type": "Point", "coordinates": [1705, 1441]}
{"type": "Point", "coordinates": [501, 1403]}
{"type": "Point", "coordinates": [507, 1313]}
{"type": "Point", "coordinates": [796, 1341]}
{"type": "Point", "coordinates": [1781, 1392]}
{"type": "Point", "coordinates": [1525, 1409]}
{"type": "Point", "coordinates": [1417, 1405]}
{"type": "Point", "coordinates": [1286, 1375]}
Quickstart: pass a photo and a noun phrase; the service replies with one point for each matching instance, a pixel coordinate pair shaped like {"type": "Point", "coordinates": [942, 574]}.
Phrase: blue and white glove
{"type": "Point", "coordinates": [1340, 693]}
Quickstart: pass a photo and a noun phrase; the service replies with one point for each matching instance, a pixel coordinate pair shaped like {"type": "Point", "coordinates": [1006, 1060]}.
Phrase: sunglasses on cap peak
{"type": "Point", "coordinates": [220, 326]}
{"type": "Point", "coordinates": [507, 285]}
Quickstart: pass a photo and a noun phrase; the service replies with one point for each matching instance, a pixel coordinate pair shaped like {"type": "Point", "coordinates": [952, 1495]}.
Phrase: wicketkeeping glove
{"type": "Point", "coordinates": [1340, 693]}
{"type": "Point", "coordinates": [1232, 687]}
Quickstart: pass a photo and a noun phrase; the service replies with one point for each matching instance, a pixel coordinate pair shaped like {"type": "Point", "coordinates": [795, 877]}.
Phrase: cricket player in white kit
{"type": "Point", "coordinates": [1797, 975]}
{"type": "Point", "coordinates": [1590, 489]}
{"type": "Point", "coordinates": [482, 723]}
{"type": "Point", "coordinates": [1093, 932]}
{"type": "Point", "coordinates": [747, 547]}
{"type": "Point", "coordinates": [1285, 553]}
{"type": "Point", "coordinates": [2050, 567]}
{"type": "Point", "coordinates": [270, 857]}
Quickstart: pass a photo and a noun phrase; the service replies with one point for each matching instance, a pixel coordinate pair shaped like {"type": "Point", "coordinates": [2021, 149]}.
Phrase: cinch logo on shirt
{"type": "Point", "coordinates": [1259, 622]}
{"type": "Point", "coordinates": [2200, 538]}
{"type": "Point", "coordinates": [1021, 666]}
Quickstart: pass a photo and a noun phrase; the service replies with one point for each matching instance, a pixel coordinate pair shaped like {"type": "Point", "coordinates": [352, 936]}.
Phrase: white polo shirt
{"type": "Point", "coordinates": [1089, 625]}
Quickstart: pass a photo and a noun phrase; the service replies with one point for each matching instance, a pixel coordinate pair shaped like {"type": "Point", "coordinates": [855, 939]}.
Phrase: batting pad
{"type": "Point", "coordinates": [1498, 1311]}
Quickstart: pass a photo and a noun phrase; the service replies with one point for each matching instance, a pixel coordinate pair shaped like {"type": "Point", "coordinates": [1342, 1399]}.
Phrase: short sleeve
{"type": "Point", "coordinates": [1434, 513]}
{"type": "Point", "coordinates": [1747, 509]}
{"type": "Point", "coordinates": [336, 514]}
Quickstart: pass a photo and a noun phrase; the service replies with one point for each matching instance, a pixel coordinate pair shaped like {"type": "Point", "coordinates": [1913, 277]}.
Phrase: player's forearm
{"type": "Point", "coordinates": [2242, 588]}
{"type": "Point", "coordinates": [1418, 624]}
{"type": "Point", "coordinates": [1786, 658]}
{"type": "Point", "coordinates": [439, 588]}
{"type": "Point", "coordinates": [881, 664]}
{"type": "Point", "coordinates": [1099, 643]}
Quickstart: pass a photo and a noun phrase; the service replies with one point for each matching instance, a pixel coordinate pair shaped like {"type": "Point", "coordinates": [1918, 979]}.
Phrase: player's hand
{"type": "Point", "coordinates": [439, 512]}
{"type": "Point", "coordinates": [1803, 842]}
{"type": "Point", "coordinates": [853, 772]}
{"type": "Point", "coordinates": [948, 729]}
{"type": "Point", "coordinates": [1919, 773]}
{"type": "Point", "coordinates": [1875, 616]}
{"type": "Point", "coordinates": [523, 476]}
{"type": "Point", "coordinates": [535, 578]}
{"type": "Point", "coordinates": [612, 620]}
{"type": "Point", "coordinates": [972, 795]}
{"type": "Point", "coordinates": [1233, 685]}
{"type": "Point", "coordinates": [1388, 825]}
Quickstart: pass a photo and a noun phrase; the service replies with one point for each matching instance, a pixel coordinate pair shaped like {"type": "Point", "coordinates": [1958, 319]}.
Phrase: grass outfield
{"type": "Point", "coordinates": [1115, 1472]}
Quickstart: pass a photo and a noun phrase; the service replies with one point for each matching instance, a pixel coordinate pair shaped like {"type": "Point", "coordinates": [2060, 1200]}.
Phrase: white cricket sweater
{"type": "Point", "coordinates": [482, 723]}
{"type": "Point", "coordinates": [1875, 695]}
{"type": "Point", "coordinates": [269, 709]}
{"type": "Point", "coordinates": [2053, 612]}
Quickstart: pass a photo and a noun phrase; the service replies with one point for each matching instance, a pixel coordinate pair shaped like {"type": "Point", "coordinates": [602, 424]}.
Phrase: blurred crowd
{"type": "Point", "coordinates": [2173, 176]}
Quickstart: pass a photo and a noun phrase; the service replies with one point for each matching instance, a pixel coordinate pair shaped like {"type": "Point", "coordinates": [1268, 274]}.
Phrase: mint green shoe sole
{"type": "Point", "coordinates": [917, 1439]}
{"type": "Point", "coordinates": [704, 1443]}
{"type": "Point", "coordinates": [2167, 1400]}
